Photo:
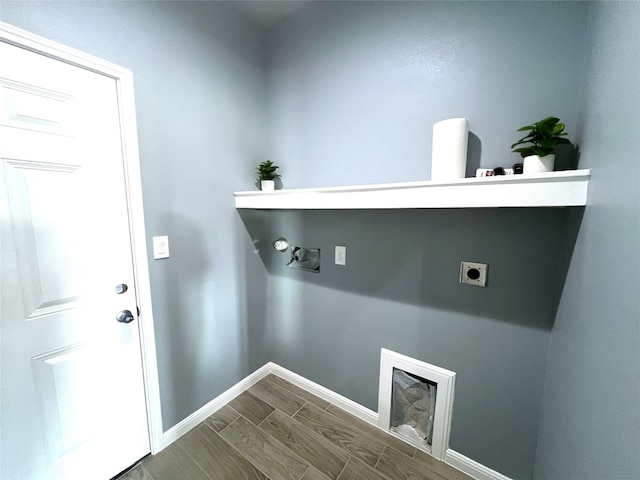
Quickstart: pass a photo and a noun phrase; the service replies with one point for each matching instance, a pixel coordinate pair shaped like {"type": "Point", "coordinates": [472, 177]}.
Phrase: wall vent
{"type": "Point", "coordinates": [415, 402]}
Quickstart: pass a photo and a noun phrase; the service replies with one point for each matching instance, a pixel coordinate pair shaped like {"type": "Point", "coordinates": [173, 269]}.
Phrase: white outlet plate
{"type": "Point", "coordinates": [341, 255]}
{"type": "Point", "coordinates": [160, 247]}
{"type": "Point", "coordinates": [472, 273]}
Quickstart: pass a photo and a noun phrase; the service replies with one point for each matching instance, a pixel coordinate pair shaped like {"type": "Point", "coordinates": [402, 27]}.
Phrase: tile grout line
{"type": "Point", "coordinates": [278, 387]}
{"type": "Point", "coordinates": [238, 450]}
{"type": "Point", "coordinates": [265, 418]}
{"type": "Point", "coordinates": [288, 450]}
{"type": "Point", "coordinates": [327, 411]}
{"type": "Point", "coordinates": [294, 393]}
{"type": "Point", "coordinates": [312, 432]}
{"type": "Point", "coordinates": [378, 461]}
{"type": "Point", "coordinates": [298, 411]}
{"type": "Point", "coordinates": [378, 434]}
{"type": "Point", "coordinates": [344, 468]}
{"type": "Point", "coordinates": [192, 458]}
{"type": "Point", "coordinates": [363, 434]}
{"type": "Point", "coordinates": [304, 402]}
{"type": "Point", "coordinates": [305, 472]}
{"type": "Point", "coordinates": [311, 465]}
{"type": "Point", "coordinates": [230, 423]}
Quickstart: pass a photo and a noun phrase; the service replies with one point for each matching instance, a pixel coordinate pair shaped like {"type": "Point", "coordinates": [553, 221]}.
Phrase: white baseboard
{"type": "Point", "coordinates": [330, 396]}
{"type": "Point", "coordinates": [471, 467]}
{"type": "Point", "coordinates": [193, 420]}
{"type": "Point", "coordinates": [453, 458]}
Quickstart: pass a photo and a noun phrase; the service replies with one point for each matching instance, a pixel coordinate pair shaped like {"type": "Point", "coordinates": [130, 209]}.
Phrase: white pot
{"type": "Point", "coordinates": [267, 185]}
{"type": "Point", "coordinates": [537, 164]}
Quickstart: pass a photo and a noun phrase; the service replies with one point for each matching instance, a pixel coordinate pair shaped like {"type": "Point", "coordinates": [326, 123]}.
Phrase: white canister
{"type": "Point", "coordinates": [449, 149]}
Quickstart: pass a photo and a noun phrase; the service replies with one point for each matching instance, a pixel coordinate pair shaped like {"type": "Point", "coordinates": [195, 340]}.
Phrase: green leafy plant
{"type": "Point", "coordinates": [542, 137]}
{"type": "Point", "coordinates": [267, 171]}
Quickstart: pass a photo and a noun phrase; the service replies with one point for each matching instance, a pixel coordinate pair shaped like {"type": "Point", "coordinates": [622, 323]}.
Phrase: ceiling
{"type": "Point", "coordinates": [267, 12]}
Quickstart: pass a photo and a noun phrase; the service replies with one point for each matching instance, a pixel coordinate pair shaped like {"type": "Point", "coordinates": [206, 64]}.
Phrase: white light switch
{"type": "Point", "coordinates": [341, 255]}
{"type": "Point", "coordinates": [160, 247]}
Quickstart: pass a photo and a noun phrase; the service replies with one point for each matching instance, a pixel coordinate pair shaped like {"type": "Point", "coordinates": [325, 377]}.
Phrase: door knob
{"type": "Point", "coordinates": [125, 316]}
{"type": "Point", "coordinates": [121, 288]}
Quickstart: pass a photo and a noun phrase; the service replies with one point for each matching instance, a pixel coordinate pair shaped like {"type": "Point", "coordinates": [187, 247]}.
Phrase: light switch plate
{"type": "Point", "coordinates": [341, 255]}
{"type": "Point", "coordinates": [160, 247]}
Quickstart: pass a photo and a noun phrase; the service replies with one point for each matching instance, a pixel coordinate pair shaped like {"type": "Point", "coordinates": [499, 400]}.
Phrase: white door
{"type": "Point", "coordinates": [72, 394]}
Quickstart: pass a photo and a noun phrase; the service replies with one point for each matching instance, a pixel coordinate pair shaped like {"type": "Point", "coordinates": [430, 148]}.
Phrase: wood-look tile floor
{"type": "Point", "coordinates": [277, 431]}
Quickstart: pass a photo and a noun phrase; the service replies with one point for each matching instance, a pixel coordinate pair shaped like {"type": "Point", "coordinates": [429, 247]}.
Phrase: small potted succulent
{"type": "Point", "coordinates": [539, 143]}
{"type": "Point", "coordinates": [267, 175]}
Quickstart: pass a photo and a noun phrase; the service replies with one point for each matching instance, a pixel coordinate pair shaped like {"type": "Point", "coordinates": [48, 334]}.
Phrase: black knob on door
{"type": "Point", "coordinates": [125, 316]}
{"type": "Point", "coordinates": [121, 288]}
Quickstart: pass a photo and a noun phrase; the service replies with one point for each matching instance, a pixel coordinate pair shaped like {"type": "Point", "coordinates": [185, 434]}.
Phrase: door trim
{"type": "Point", "coordinates": [133, 185]}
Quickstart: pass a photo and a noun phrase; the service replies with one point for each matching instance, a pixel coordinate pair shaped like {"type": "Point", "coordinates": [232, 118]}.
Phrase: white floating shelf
{"type": "Point", "coordinates": [556, 189]}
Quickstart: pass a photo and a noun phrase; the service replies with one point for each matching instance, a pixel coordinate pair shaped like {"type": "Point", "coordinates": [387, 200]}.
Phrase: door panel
{"type": "Point", "coordinates": [49, 244]}
{"type": "Point", "coordinates": [73, 403]}
{"type": "Point", "coordinates": [66, 381]}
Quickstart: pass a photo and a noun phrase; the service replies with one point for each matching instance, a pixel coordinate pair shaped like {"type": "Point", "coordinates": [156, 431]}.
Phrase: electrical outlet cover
{"type": "Point", "coordinates": [472, 273]}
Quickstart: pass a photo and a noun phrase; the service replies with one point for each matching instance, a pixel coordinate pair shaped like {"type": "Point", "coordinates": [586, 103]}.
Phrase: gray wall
{"type": "Point", "coordinates": [354, 89]}
{"type": "Point", "coordinates": [591, 404]}
{"type": "Point", "coordinates": [399, 290]}
{"type": "Point", "coordinates": [200, 98]}
{"type": "Point", "coordinates": [346, 93]}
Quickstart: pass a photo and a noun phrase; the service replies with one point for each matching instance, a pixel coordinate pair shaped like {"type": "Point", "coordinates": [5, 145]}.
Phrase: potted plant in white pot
{"type": "Point", "coordinates": [542, 137]}
{"type": "Point", "coordinates": [267, 175]}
